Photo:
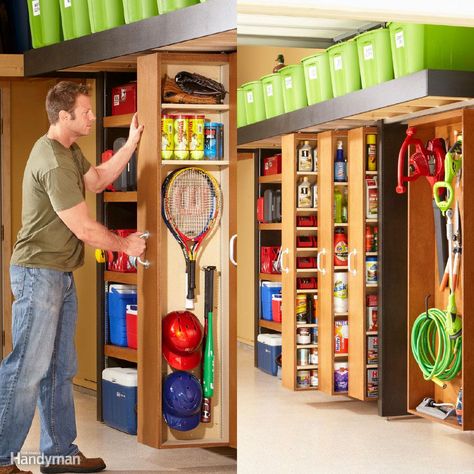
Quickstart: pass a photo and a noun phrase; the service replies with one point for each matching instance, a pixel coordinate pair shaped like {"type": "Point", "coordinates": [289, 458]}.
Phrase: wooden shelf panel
{"type": "Point", "coordinates": [449, 421]}
{"type": "Point", "coordinates": [196, 107]}
{"type": "Point", "coordinates": [307, 291]}
{"type": "Point", "coordinates": [269, 325]}
{"type": "Point", "coordinates": [127, 196]}
{"type": "Point", "coordinates": [371, 254]}
{"type": "Point", "coordinates": [341, 224]}
{"type": "Point", "coordinates": [371, 333]}
{"type": "Point", "coordinates": [115, 121]}
{"type": "Point", "coordinates": [341, 356]}
{"type": "Point", "coordinates": [371, 285]}
{"type": "Point", "coordinates": [306, 209]}
{"type": "Point", "coordinates": [371, 173]}
{"type": "Point", "coordinates": [341, 183]}
{"type": "Point", "coordinates": [306, 228]}
{"type": "Point", "coordinates": [306, 270]}
{"type": "Point", "coordinates": [306, 249]}
{"type": "Point", "coordinates": [195, 162]}
{"type": "Point", "coordinates": [309, 325]}
{"type": "Point", "coordinates": [306, 367]}
{"type": "Point", "coordinates": [307, 173]}
{"type": "Point", "coordinates": [273, 226]}
{"type": "Point", "coordinates": [272, 178]}
{"type": "Point", "coordinates": [304, 346]}
{"type": "Point", "coordinates": [126, 278]}
{"type": "Point", "coordinates": [341, 315]}
{"type": "Point", "coordinates": [270, 276]}
{"type": "Point", "coordinates": [372, 366]}
{"type": "Point", "coordinates": [372, 220]}
{"type": "Point", "coordinates": [123, 353]}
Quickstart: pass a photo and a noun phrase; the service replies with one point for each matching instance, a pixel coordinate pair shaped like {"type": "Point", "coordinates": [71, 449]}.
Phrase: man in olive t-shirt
{"type": "Point", "coordinates": [50, 246]}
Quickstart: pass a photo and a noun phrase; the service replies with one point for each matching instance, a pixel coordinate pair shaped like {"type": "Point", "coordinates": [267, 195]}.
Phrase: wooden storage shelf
{"type": "Point", "coordinates": [117, 121]}
{"type": "Point", "coordinates": [302, 210]}
{"type": "Point", "coordinates": [118, 277]}
{"type": "Point", "coordinates": [341, 267]}
{"type": "Point", "coordinates": [341, 315]}
{"type": "Point", "coordinates": [341, 224]}
{"type": "Point", "coordinates": [122, 353]}
{"type": "Point", "coordinates": [306, 270]}
{"type": "Point", "coordinates": [270, 276]}
{"type": "Point", "coordinates": [216, 163]}
{"type": "Point", "coordinates": [372, 366]}
{"type": "Point", "coordinates": [270, 325]}
{"type": "Point", "coordinates": [308, 325]}
{"type": "Point", "coordinates": [372, 220]}
{"type": "Point", "coordinates": [341, 356]}
{"type": "Point", "coordinates": [371, 173]}
{"type": "Point", "coordinates": [371, 333]}
{"type": "Point", "coordinates": [306, 229]}
{"type": "Point", "coordinates": [306, 367]}
{"type": "Point", "coordinates": [306, 249]}
{"type": "Point", "coordinates": [275, 226]}
{"type": "Point", "coordinates": [304, 346]}
{"type": "Point", "coordinates": [270, 179]}
{"type": "Point", "coordinates": [451, 421]}
{"type": "Point", "coordinates": [341, 183]}
{"type": "Point", "coordinates": [307, 291]}
{"type": "Point", "coordinates": [307, 173]}
{"type": "Point", "coordinates": [371, 285]}
{"type": "Point", "coordinates": [126, 196]}
{"type": "Point", "coordinates": [371, 254]}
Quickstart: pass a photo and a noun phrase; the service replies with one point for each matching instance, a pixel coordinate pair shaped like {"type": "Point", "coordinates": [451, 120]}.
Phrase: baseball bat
{"type": "Point", "coordinates": [208, 355]}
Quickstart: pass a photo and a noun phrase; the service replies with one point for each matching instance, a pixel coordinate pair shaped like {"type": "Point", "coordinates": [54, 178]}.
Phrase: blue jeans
{"type": "Point", "coordinates": [42, 364]}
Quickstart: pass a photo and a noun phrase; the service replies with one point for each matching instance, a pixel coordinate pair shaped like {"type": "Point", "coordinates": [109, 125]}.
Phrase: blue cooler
{"type": "Point", "coordinates": [268, 349]}
{"type": "Point", "coordinates": [119, 297]}
{"type": "Point", "coordinates": [268, 289]}
{"type": "Point", "coordinates": [119, 398]}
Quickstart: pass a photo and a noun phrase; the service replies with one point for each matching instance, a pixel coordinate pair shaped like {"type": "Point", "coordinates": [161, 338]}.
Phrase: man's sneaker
{"type": "Point", "coordinates": [12, 469]}
{"type": "Point", "coordinates": [84, 465]}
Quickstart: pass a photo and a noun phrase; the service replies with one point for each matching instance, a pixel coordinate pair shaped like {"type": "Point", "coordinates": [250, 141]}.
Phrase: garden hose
{"type": "Point", "coordinates": [437, 352]}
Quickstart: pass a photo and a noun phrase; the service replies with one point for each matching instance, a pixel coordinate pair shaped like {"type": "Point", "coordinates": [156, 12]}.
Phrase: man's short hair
{"type": "Point", "coordinates": [63, 97]}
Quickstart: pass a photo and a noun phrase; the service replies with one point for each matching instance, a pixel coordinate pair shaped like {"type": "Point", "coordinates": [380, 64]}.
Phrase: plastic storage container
{"type": "Point", "coordinates": [276, 308]}
{"type": "Point", "coordinates": [416, 47]}
{"type": "Point", "coordinates": [75, 18]}
{"type": "Point", "coordinates": [241, 115]}
{"type": "Point", "coordinates": [268, 349]}
{"type": "Point", "coordinates": [45, 23]}
{"type": "Point", "coordinates": [119, 297]}
{"type": "Point", "coordinates": [272, 95]}
{"type": "Point", "coordinates": [254, 103]}
{"type": "Point", "coordinates": [375, 57]}
{"type": "Point", "coordinates": [317, 78]}
{"type": "Point", "coordinates": [105, 14]}
{"type": "Point", "coordinates": [119, 398]}
{"type": "Point", "coordinates": [165, 6]}
{"type": "Point", "coordinates": [344, 66]}
{"type": "Point", "coordinates": [268, 289]}
{"type": "Point", "coordinates": [136, 10]}
{"type": "Point", "coordinates": [132, 327]}
{"type": "Point", "coordinates": [294, 91]}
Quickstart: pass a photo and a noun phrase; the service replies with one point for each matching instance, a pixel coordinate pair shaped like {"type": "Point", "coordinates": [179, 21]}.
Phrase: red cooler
{"type": "Point", "coordinates": [276, 308]}
{"type": "Point", "coordinates": [132, 327]}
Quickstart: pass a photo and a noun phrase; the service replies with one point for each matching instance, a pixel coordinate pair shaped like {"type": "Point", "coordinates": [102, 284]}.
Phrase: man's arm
{"type": "Point", "coordinates": [99, 177]}
{"type": "Point", "coordinates": [88, 230]}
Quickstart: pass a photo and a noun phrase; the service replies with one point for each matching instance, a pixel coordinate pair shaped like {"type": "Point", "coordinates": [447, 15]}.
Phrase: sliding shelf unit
{"type": "Point", "coordinates": [384, 109]}
{"type": "Point", "coordinates": [202, 39]}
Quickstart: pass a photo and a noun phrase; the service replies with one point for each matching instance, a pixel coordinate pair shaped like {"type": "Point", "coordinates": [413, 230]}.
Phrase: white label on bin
{"type": "Point", "coordinates": [67, 3]}
{"type": "Point", "coordinates": [269, 90]}
{"type": "Point", "coordinates": [337, 63]}
{"type": "Point", "coordinates": [313, 73]}
{"type": "Point", "coordinates": [116, 100]}
{"type": "Point", "coordinates": [289, 82]}
{"type": "Point", "coordinates": [36, 7]}
{"type": "Point", "coordinates": [399, 40]}
{"type": "Point", "coordinates": [368, 52]}
{"type": "Point", "coordinates": [250, 97]}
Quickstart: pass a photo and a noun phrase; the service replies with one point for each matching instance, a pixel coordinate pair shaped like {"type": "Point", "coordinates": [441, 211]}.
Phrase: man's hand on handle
{"type": "Point", "coordinates": [134, 245]}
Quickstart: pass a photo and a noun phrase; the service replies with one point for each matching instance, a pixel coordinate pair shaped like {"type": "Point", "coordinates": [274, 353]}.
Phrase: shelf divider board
{"type": "Point", "coordinates": [149, 76]}
{"type": "Point", "coordinates": [288, 191]}
{"type": "Point", "coordinates": [356, 283]}
{"type": "Point", "coordinates": [126, 196]}
{"type": "Point", "coordinates": [273, 325]}
{"type": "Point", "coordinates": [116, 121]}
{"type": "Point", "coordinates": [123, 353]}
{"type": "Point", "coordinates": [326, 150]}
{"type": "Point", "coordinates": [120, 277]}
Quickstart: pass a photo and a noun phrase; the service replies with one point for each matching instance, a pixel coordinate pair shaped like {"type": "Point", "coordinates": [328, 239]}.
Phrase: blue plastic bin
{"type": "Point", "coordinates": [119, 399]}
{"type": "Point", "coordinates": [119, 297]}
{"type": "Point", "coordinates": [268, 289]}
{"type": "Point", "coordinates": [268, 349]}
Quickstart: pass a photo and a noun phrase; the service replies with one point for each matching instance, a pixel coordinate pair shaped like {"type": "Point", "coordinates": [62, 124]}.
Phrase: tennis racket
{"type": "Point", "coordinates": [191, 207]}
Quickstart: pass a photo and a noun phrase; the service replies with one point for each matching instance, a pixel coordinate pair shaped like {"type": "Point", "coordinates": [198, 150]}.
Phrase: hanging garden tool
{"type": "Point", "coordinates": [436, 338]}
{"type": "Point", "coordinates": [429, 162]}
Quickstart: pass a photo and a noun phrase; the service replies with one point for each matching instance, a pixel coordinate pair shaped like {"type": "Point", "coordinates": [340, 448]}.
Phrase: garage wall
{"type": "Point", "coordinates": [28, 123]}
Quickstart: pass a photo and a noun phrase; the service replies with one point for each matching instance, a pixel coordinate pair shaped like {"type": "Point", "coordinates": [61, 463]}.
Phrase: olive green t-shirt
{"type": "Point", "coordinates": [53, 181]}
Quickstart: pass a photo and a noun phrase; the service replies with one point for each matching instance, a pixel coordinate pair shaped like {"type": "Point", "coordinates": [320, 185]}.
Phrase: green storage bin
{"type": "Point", "coordinates": [136, 10]}
{"type": "Point", "coordinates": [45, 23]}
{"type": "Point", "coordinates": [344, 66]}
{"type": "Point", "coordinates": [75, 18]}
{"type": "Point", "coordinates": [317, 78]}
{"type": "Point", "coordinates": [417, 47]}
{"type": "Point", "coordinates": [105, 14]}
{"type": "Point", "coordinates": [254, 103]}
{"type": "Point", "coordinates": [273, 95]}
{"type": "Point", "coordinates": [241, 115]}
{"type": "Point", "coordinates": [165, 6]}
{"type": "Point", "coordinates": [375, 57]}
{"type": "Point", "coordinates": [294, 91]}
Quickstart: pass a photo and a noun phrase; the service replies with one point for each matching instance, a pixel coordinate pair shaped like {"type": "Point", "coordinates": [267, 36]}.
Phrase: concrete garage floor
{"type": "Point", "coordinates": [281, 431]}
{"type": "Point", "coordinates": [123, 454]}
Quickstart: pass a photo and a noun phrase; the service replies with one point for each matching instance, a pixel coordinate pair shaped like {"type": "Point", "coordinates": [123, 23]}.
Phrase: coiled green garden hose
{"type": "Point", "coordinates": [438, 354]}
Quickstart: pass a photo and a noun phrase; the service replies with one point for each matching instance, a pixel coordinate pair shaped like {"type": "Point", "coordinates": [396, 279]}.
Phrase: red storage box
{"type": "Point", "coordinates": [306, 221]}
{"type": "Point", "coordinates": [268, 256]}
{"type": "Point", "coordinates": [276, 308]}
{"type": "Point", "coordinates": [124, 99]}
{"type": "Point", "coordinates": [306, 283]}
{"type": "Point", "coordinates": [306, 241]}
{"type": "Point", "coordinates": [306, 262]}
{"type": "Point", "coordinates": [272, 165]}
{"type": "Point", "coordinates": [118, 261]}
{"type": "Point", "coordinates": [132, 326]}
